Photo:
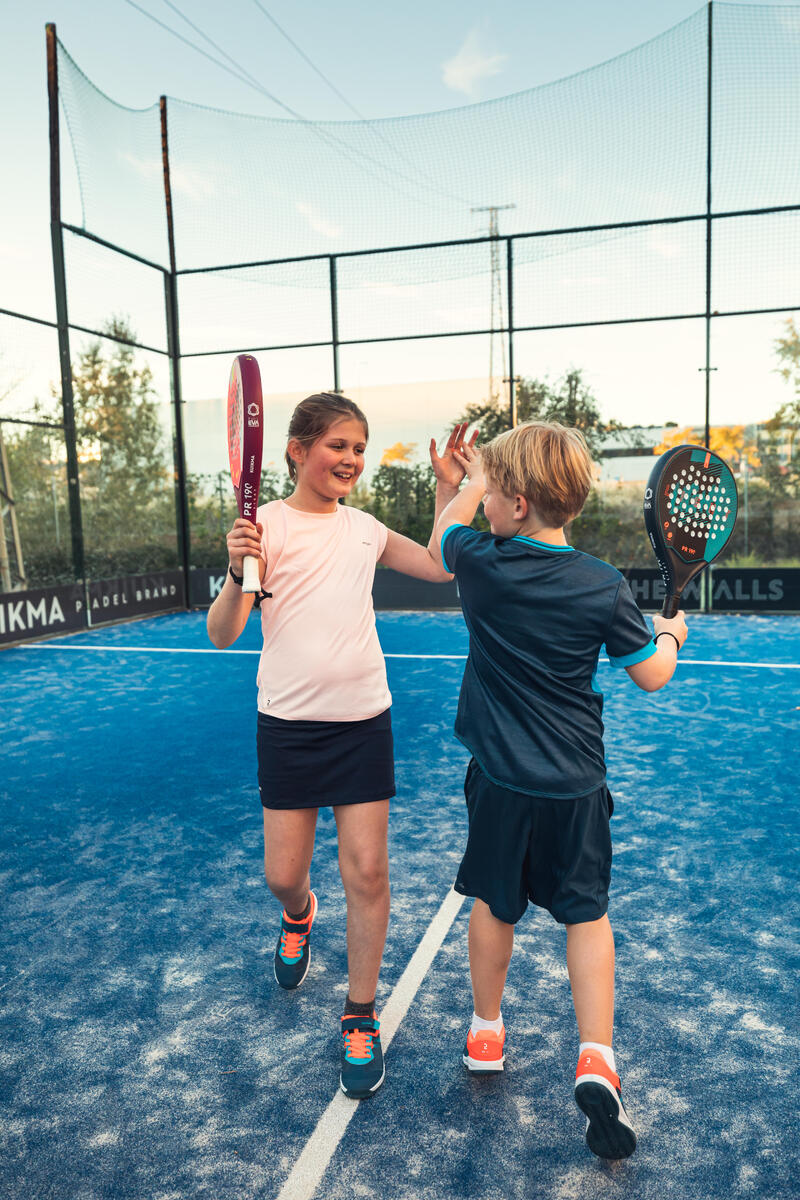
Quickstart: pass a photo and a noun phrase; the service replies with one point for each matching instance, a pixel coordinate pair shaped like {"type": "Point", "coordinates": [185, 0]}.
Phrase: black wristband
{"type": "Point", "coordinates": [237, 579]}
{"type": "Point", "coordinates": [666, 633]}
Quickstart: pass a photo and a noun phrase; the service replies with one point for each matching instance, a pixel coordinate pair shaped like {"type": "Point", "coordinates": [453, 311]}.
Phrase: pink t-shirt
{"type": "Point", "coordinates": [321, 660]}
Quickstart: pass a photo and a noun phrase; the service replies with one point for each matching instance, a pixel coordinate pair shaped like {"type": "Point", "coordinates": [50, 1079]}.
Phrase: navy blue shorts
{"type": "Point", "coordinates": [553, 852]}
{"type": "Point", "coordinates": [318, 764]}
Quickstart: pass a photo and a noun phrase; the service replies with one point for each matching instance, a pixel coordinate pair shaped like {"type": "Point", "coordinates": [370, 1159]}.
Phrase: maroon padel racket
{"type": "Point", "coordinates": [245, 441]}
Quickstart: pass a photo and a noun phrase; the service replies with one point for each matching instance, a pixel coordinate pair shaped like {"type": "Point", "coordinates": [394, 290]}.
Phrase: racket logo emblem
{"type": "Point", "coordinates": [252, 410]}
{"type": "Point", "coordinates": [648, 495]}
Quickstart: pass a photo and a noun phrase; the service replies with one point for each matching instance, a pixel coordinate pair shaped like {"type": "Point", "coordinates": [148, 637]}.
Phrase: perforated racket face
{"type": "Point", "coordinates": [245, 432]}
{"type": "Point", "coordinates": [696, 504]}
{"type": "Point", "coordinates": [690, 510]}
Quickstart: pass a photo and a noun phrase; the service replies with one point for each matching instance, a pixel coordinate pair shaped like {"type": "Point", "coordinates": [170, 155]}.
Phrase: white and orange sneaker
{"type": "Point", "coordinates": [484, 1050]}
{"type": "Point", "coordinates": [609, 1133]}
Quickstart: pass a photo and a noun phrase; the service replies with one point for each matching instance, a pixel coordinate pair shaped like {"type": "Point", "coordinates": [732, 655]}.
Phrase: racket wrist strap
{"type": "Point", "coordinates": [666, 633]}
{"type": "Point", "coordinates": [237, 579]}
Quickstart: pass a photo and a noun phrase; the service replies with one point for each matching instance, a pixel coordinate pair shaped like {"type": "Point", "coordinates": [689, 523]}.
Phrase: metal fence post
{"type": "Point", "coordinates": [334, 323]}
{"type": "Point", "coordinates": [62, 318]}
{"type": "Point", "coordinates": [706, 583]}
{"type": "Point", "coordinates": [174, 349]}
{"type": "Point", "coordinates": [512, 383]}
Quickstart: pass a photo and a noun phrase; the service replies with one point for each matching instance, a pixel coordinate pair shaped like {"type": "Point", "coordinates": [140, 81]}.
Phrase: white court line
{"type": "Point", "coordinates": [307, 1172]}
{"type": "Point", "coordinates": [682, 662]}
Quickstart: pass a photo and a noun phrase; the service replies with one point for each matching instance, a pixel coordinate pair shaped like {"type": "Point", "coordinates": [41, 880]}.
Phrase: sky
{"type": "Point", "coordinates": [377, 61]}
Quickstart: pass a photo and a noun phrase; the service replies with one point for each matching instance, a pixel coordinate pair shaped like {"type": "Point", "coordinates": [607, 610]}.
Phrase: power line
{"type": "Point", "coordinates": [237, 74]}
{"type": "Point", "coordinates": [240, 70]}
{"type": "Point", "coordinates": [305, 58]}
{"type": "Point", "coordinates": [330, 138]}
{"type": "Point", "coordinates": [373, 128]}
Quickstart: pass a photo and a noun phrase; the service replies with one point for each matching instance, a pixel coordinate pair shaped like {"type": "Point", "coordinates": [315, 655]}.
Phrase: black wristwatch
{"type": "Point", "coordinates": [237, 579]}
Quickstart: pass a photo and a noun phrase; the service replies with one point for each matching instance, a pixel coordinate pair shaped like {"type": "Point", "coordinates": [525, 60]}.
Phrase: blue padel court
{"type": "Point", "coordinates": [148, 1054]}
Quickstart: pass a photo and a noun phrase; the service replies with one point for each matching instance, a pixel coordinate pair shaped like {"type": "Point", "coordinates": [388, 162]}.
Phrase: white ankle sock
{"type": "Point", "coordinates": [606, 1051]}
{"type": "Point", "coordinates": [478, 1023]}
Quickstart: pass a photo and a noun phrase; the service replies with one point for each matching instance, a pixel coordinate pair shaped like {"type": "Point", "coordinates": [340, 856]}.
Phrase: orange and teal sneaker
{"type": "Point", "coordinates": [292, 953]}
{"type": "Point", "coordinates": [609, 1133]}
{"type": "Point", "coordinates": [362, 1056]}
{"type": "Point", "coordinates": [484, 1050]}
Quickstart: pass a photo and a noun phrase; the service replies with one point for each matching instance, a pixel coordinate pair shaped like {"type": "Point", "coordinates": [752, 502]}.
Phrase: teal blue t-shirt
{"type": "Point", "coordinates": [530, 711]}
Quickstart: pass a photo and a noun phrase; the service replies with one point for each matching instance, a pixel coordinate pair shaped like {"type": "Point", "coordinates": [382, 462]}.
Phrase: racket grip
{"type": "Point", "coordinates": [671, 605]}
{"type": "Point", "coordinates": [251, 583]}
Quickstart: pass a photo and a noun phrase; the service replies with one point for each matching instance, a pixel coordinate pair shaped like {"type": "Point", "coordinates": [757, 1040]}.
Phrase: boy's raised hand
{"type": "Point", "coordinates": [472, 464]}
{"type": "Point", "coordinates": [446, 467]}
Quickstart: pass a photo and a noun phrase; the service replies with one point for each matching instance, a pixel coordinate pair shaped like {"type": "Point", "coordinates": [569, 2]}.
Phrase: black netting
{"type": "Point", "coordinates": [756, 106]}
{"type": "Point", "coordinates": [283, 305]}
{"type": "Point", "coordinates": [625, 140]}
{"type": "Point", "coordinates": [117, 155]}
{"type": "Point", "coordinates": [102, 285]}
{"type": "Point", "coordinates": [628, 274]}
{"type": "Point", "coordinates": [756, 262]}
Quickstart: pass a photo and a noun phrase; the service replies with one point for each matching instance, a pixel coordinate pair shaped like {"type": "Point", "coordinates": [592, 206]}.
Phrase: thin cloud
{"type": "Point", "coordinates": [317, 222]}
{"type": "Point", "coordinates": [471, 65]}
{"type": "Point", "coordinates": [184, 181]}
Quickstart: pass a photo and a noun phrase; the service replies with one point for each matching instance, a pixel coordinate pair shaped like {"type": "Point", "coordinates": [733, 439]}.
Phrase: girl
{"type": "Point", "coordinates": [324, 725]}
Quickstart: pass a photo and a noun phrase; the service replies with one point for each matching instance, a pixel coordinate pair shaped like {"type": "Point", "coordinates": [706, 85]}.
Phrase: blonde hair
{"type": "Point", "coordinates": [547, 463]}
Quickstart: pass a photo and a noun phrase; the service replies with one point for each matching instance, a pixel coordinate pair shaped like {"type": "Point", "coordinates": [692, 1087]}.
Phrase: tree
{"type": "Point", "coordinates": [118, 432]}
{"type": "Point", "coordinates": [404, 498]}
{"type": "Point", "coordinates": [782, 468]}
{"type": "Point", "coordinates": [127, 496]}
{"type": "Point", "coordinates": [731, 442]}
{"type": "Point", "coordinates": [400, 452]}
{"type": "Point", "coordinates": [569, 400]}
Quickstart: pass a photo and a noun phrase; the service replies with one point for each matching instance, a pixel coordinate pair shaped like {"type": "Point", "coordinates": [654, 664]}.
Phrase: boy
{"type": "Point", "coordinates": [538, 612]}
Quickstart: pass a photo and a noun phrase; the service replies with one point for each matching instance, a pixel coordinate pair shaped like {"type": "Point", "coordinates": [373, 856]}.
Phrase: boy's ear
{"type": "Point", "coordinates": [520, 508]}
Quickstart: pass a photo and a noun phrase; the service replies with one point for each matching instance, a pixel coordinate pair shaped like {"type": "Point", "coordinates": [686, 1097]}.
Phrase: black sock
{"type": "Point", "coordinates": [353, 1009]}
{"type": "Point", "coordinates": [301, 916]}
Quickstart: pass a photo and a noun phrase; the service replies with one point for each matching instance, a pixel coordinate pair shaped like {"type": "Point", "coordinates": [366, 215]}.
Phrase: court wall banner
{"type": "Point", "coordinates": [755, 589]}
{"type": "Point", "coordinates": [735, 589]}
{"type": "Point", "coordinates": [205, 584]}
{"type": "Point", "coordinates": [41, 612]}
{"type": "Point", "coordinates": [648, 590]}
{"type": "Point", "coordinates": [134, 596]}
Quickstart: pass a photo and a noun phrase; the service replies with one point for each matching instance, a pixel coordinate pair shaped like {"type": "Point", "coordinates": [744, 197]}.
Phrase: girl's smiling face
{"type": "Point", "coordinates": [329, 468]}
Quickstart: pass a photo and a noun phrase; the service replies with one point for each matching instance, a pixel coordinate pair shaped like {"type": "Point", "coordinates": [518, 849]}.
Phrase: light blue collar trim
{"type": "Point", "coordinates": [542, 545]}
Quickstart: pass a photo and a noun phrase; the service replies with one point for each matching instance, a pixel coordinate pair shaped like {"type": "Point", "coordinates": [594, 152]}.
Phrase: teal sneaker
{"type": "Point", "coordinates": [293, 953]}
{"type": "Point", "coordinates": [362, 1057]}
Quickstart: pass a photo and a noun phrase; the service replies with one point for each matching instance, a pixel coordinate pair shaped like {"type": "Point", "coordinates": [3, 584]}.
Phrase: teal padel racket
{"type": "Point", "coordinates": [690, 507]}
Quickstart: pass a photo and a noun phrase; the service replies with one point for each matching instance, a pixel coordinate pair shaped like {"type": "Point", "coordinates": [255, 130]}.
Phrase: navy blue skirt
{"type": "Point", "coordinates": [318, 764]}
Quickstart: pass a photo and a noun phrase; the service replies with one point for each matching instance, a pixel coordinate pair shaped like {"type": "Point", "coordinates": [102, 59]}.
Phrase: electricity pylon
{"type": "Point", "coordinates": [496, 307]}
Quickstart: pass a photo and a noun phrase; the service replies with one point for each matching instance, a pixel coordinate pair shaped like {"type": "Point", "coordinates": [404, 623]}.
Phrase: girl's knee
{"type": "Point", "coordinates": [366, 877]}
{"type": "Point", "coordinates": [282, 878]}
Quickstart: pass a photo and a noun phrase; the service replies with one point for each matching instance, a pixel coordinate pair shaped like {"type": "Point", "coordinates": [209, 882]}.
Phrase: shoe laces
{"type": "Point", "coordinates": [292, 943]}
{"type": "Point", "coordinates": [359, 1042]}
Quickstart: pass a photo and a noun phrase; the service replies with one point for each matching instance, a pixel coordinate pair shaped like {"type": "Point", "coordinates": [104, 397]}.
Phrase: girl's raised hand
{"type": "Point", "coordinates": [446, 467]}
